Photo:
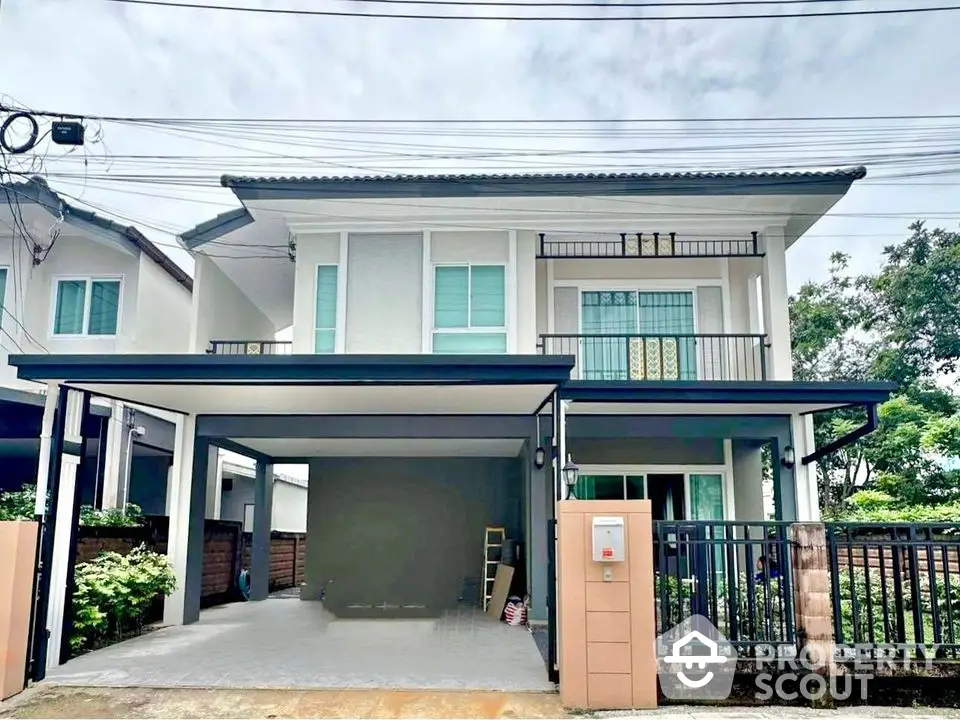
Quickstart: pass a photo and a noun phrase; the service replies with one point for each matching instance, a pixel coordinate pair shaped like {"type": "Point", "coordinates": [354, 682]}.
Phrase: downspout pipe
{"type": "Point", "coordinates": [873, 421]}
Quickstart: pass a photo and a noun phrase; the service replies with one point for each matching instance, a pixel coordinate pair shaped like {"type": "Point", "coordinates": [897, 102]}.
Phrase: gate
{"type": "Point", "coordinates": [738, 575]}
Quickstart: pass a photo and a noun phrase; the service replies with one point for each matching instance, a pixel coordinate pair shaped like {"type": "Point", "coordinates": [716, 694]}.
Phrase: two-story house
{"type": "Point", "coordinates": [74, 282]}
{"type": "Point", "coordinates": [460, 344]}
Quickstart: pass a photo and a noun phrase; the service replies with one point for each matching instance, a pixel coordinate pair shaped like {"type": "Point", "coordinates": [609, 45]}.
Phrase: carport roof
{"type": "Point", "coordinates": [685, 397]}
{"type": "Point", "coordinates": [324, 384]}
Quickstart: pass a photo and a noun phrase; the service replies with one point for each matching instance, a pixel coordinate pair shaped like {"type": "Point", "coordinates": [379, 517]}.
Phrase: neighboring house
{"type": "Point", "coordinates": [74, 282]}
{"type": "Point", "coordinates": [289, 513]}
{"type": "Point", "coordinates": [457, 340]}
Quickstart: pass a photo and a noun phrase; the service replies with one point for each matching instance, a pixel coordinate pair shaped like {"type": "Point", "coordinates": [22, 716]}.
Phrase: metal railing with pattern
{"type": "Point", "coordinates": [661, 357]}
{"type": "Point", "coordinates": [250, 347]}
{"type": "Point", "coordinates": [647, 245]}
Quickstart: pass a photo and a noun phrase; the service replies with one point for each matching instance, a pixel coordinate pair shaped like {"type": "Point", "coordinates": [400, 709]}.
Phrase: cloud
{"type": "Point", "coordinates": [103, 58]}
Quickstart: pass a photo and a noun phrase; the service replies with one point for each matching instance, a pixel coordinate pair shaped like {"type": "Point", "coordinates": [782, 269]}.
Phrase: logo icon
{"type": "Point", "coordinates": [695, 662]}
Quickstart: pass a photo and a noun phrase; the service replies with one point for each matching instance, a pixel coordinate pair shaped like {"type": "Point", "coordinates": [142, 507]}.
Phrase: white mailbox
{"type": "Point", "coordinates": [609, 544]}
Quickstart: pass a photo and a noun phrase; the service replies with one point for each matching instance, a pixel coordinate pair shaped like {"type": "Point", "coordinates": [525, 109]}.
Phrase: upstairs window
{"type": "Point", "coordinates": [469, 309]}
{"type": "Point", "coordinates": [85, 306]}
{"type": "Point", "coordinates": [325, 328]}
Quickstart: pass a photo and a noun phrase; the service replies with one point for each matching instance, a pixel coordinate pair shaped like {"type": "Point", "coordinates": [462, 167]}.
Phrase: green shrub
{"type": "Point", "coordinates": [130, 516]}
{"type": "Point", "coordinates": [113, 593]}
{"type": "Point", "coordinates": [18, 504]}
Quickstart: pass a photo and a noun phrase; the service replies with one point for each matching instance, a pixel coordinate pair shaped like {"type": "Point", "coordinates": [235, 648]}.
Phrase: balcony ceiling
{"type": "Point", "coordinates": [694, 215]}
{"type": "Point", "coordinates": [255, 258]}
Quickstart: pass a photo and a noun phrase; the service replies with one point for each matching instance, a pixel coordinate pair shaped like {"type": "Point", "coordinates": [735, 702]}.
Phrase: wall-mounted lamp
{"type": "Point", "coordinates": [789, 458]}
{"type": "Point", "coordinates": [571, 472]}
{"type": "Point", "coordinates": [539, 458]}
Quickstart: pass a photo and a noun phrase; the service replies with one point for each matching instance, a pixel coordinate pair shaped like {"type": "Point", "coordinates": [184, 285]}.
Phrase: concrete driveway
{"type": "Point", "coordinates": [286, 643]}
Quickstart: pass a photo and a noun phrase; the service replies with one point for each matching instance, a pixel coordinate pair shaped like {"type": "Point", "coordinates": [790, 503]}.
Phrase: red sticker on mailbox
{"type": "Point", "coordinates": [608, 552]}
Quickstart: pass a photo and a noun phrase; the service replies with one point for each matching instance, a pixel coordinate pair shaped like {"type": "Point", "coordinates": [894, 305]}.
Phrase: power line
{"type": "Point", "coordinates": [539, 3]}
{"type": "Point", "coordinates": [481, 121]}
{"type": "Point", "coordinates": [525, 18]}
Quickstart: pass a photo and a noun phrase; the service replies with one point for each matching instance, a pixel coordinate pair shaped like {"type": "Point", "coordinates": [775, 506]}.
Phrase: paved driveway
{"type": "Point", "coordinates": [286, 643]}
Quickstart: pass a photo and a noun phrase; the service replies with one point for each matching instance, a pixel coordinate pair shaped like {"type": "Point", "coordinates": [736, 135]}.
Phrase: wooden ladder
{"type": "Point", "coordinates": [493, 541]}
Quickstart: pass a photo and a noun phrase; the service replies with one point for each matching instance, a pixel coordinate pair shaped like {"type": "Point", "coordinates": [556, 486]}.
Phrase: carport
{"type": "Point", "coordinates": [411, 456]}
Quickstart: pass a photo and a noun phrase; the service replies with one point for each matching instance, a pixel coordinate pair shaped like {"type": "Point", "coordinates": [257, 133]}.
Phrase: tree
{"type": "Point", "coordinates": [882, 327]}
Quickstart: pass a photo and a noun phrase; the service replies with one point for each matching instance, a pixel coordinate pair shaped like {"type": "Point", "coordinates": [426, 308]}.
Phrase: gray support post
{"type": "Point", "coordinates": [193, 586]}
{"type": "Point", "coordinates": [262, 516]}
{"type": "Point", "coordinates": [540, 500]}
{"type": "Point", "coordinates": [784, 481]}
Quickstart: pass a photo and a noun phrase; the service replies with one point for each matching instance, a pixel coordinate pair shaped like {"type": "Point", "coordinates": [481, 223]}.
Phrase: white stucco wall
{"type": "Point", "coordinates": [30, 298]}
{"type": "Point", "coordinates": [289, 504]}
{"type": "Point", "coordinates": [221, 311]}
{"type": "Point", "coordinates": [164, 307]}
{"type": "Point", "coordinates": [289, 508]}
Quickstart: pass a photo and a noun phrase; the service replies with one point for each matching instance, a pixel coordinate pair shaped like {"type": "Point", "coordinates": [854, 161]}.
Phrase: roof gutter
{"type": "Point", "coordinates": [851, 437]}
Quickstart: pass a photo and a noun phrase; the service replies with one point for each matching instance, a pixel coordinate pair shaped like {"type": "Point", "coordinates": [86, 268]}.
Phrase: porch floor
{"type": "Point", "coordinates": [286, 643]}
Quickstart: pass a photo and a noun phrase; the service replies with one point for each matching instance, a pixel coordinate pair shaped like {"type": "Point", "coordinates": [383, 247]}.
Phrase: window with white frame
{"type": "Point", "coordinates": [469, 309]}
{"type": "Point", "coordinates": [325, 323]}
{"type": "Point", "coordinates": [87, 306]}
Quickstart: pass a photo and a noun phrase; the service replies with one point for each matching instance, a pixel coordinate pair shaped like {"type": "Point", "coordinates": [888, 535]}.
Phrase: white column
{"type": "Point", "coordinates": [182, 523]}
{"type": "Point", "coordinates": [776, 313]}
{"type": "Point", "coordinates": [262, 520]}
{"type": "Point", "coordinates": [114, 465]}
{"type": "Point", "coordinates": [46, 432]}
{"type": "Point", "coordinates": [63, 528]}
{"type": "Point", "coordinates": [808, 494]}
{"type": "Point", "coordinates": [214, 482]}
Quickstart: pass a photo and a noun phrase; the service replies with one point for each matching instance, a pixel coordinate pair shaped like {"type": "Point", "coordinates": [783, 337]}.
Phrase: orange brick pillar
{"type": "Point", "coordinates": [813, 596]}
{"type": "Point", "coordinates": [18, 553]}
{"type": "Point", "coordinates": [605, 628]}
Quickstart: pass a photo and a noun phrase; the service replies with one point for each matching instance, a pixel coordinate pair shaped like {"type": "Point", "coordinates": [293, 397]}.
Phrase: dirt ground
{"type": "Point", "coordinates": [77, 702]}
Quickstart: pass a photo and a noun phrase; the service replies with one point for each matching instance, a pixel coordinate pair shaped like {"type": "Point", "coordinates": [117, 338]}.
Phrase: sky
{"type": "Point", "coordinates": [96, 57]}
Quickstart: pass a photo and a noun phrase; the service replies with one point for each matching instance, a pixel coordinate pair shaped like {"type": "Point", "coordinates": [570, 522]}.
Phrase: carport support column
{"type": "Point", "coordinates": [113, 463]}
{"type": "Point", "coordinates": [262, 520]}
{"type": "Point", "coordinates": [58, 553]}
{"type": "Point", "coordinates": [188, 491]}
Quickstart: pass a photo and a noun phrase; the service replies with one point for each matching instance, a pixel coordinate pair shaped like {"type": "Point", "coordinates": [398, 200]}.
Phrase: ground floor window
{"type": "Point", "coordinates": [674, 496]}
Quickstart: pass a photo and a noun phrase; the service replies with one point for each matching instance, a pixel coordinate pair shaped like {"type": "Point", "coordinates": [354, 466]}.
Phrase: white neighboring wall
{"type": "Point", "coordinates": [221, 310]}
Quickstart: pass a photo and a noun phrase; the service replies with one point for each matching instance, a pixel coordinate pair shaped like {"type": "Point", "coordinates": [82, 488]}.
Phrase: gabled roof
{"type": "Point", "coordinates": [37, 191]}
{"type": "Point", "coordinates": [216, 227]}
{"type": "Point", "coordinates": [558, 184]}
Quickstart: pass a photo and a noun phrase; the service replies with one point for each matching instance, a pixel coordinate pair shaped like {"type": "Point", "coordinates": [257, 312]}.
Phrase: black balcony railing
{"type": "Point", "coordinates": [647, 245]}
{"type": "Point", "coordinates": [662, 357]}
{"type": "Point", "coordinates": [250, 347]}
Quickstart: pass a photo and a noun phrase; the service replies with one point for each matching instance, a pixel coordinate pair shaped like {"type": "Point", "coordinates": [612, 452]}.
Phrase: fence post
{"type": "Point", "coordinates": [813, 599]}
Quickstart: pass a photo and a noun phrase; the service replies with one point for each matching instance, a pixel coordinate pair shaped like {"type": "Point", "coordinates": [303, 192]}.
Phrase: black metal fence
{"type": "Point", "coordinates": [647, 245]}
{"type": "Point", "coordinates": [738, 575]}
{"type": "Point", "coordinates": [661, 357]}
{"type": "Point", "coordinates": [250, 347]}
{"type": "Point", "coordinates": [895, 585]}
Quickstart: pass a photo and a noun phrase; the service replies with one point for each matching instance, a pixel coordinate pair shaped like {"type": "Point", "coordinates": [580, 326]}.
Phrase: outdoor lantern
{"type": "Point", "coordinates": [570, 474]}
{"type": "Point", "coordinates": [539, 457]}
{"type": "Point", "coordinates": [789, 458]}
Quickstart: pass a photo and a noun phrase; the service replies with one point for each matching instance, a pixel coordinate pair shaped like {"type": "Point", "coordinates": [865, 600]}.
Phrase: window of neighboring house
{"type": "Point", "coordinates": [86, 306]}
{"type": "Point", "coordinates": [469, 309]}
{"type": "Point", "coordinates": [325, 335]}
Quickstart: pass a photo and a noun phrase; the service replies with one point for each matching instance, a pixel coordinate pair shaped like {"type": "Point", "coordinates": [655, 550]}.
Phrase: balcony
{"type": "Point", "coordinates": [250, 347]}
{"type": "Point", "coordinates": [646, 246]}
{"type": "Point", "coordinates": [662, 357]}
